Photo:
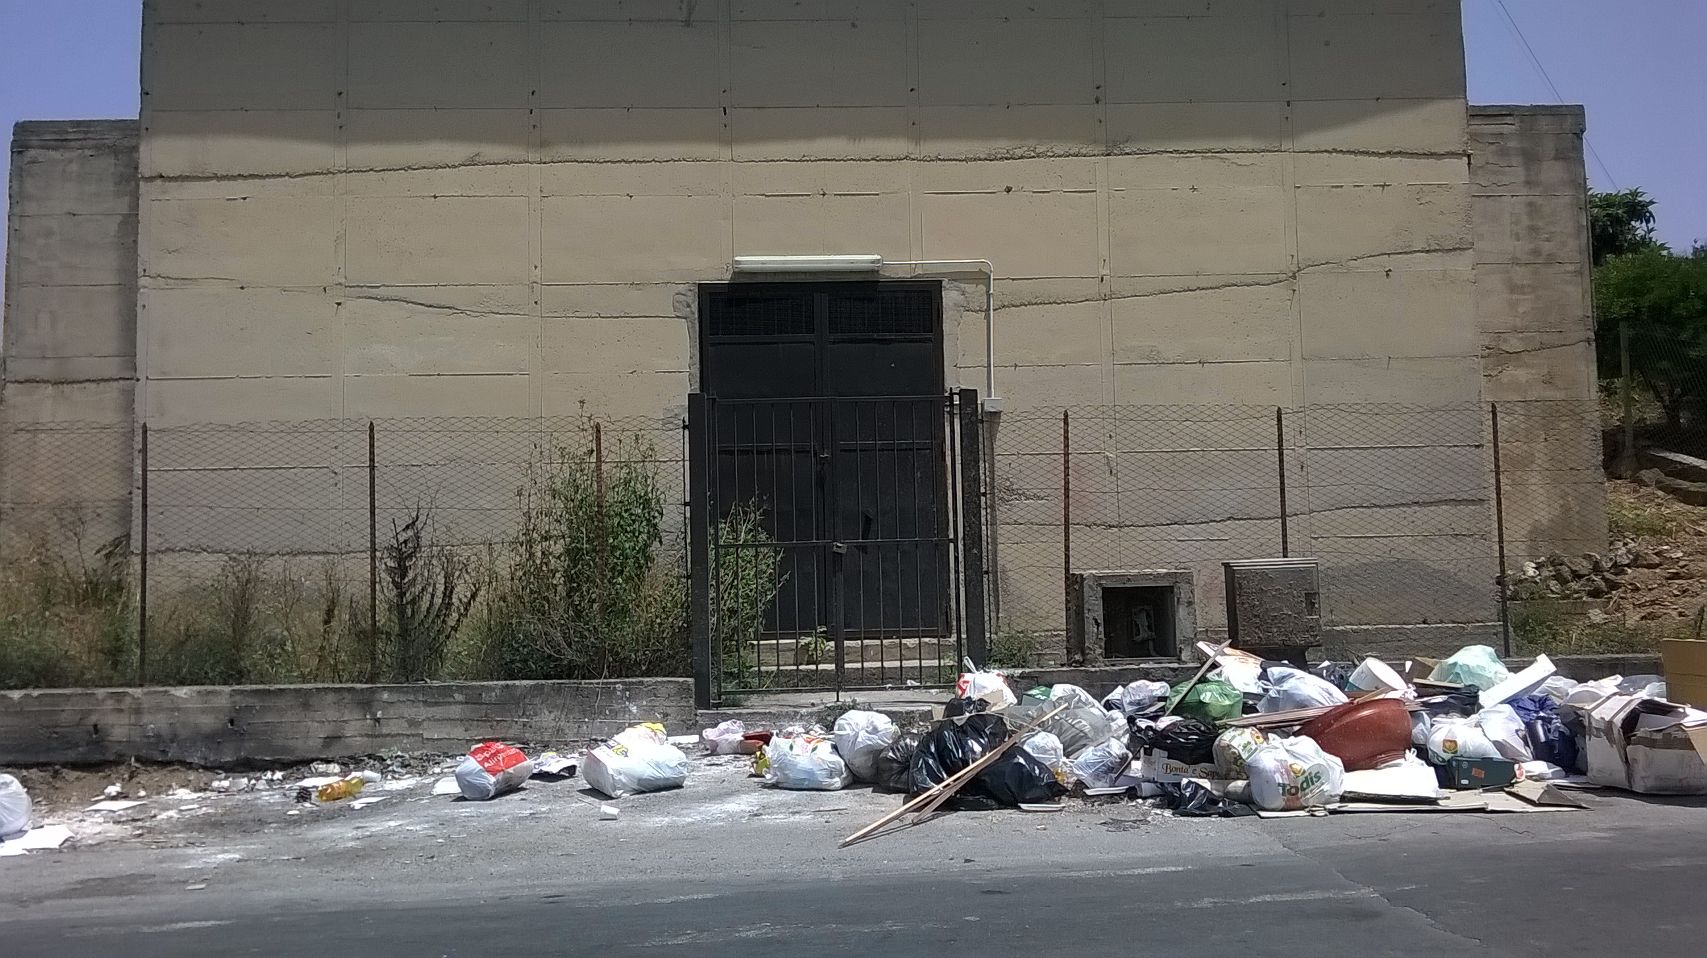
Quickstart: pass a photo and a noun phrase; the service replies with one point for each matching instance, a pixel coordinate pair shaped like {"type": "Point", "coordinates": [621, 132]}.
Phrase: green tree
{"type": "Point", "coordinates": [1662, 297]}
{"type": "Point", "coordinates": [1620, 223]}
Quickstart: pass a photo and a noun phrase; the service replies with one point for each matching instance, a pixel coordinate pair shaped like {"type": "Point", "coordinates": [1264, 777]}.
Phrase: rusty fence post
{"type": "Point", "coordinates": [1280, 456]}
{"type": "Point", "coordinates": [372, 554]}
{"type": "Point", "coordinates": [1499, 530]}
{"type": "Point", "coordinates": [142, 575]}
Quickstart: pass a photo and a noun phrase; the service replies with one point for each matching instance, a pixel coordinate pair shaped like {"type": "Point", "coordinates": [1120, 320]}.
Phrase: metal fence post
{"type": "Point", "coordinates": [1499, 529]}
{"type": "Point", "coordinates": [699, 553]}
{"type": "Point", "coordinates": [1067, 519]}
{"type": "Point", "coordinates": [1280, 456]}
{"type": "Point", "coordinates": [142, 575]}
{"type": "Point", "coordinates": [972, 522]}
{"type": "Point", "coordinates": [1627, 450]}
{"type": "Point", "coordinates": [372, 556]}
{"type": "Point", "coordinates": [600, 537]}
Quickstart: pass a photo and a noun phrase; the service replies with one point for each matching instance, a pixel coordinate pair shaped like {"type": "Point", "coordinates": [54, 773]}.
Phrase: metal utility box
{"type": "Point", "coordinates": [1274, 605]}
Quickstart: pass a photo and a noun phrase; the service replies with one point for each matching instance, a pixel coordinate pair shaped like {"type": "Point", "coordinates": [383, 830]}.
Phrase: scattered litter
{"type": "Point", "coordinates": [682, 741]}
{"type": "Point", "coordinates": [447, 786]}
{"type": "Point", "coordinates": [638, 759]}
{"type": "Point", "coordinates": [332, 769]}
{"type": "Point", "coordinates": [1476, 665]}
{"type": "Point", "coordinates": [555, 765]}
{"type": "Point", "coordinates": [196, 887]}
{"type": "Point", "coordinates": [490, 770]}
{"type": "Point", "coordinates": [365, 802]}
{"type": "Point", "coordinates": [860, 737]}
{"type": "Point", "coordinates": [1042, 807]}
{"type": "Point", "coordinates": [609, 813]}
{"type": "Point", "coordinates": [806, 763]}
{"type": "Point", "coordinates": [989, 687]}
{"type": "Point", "coordinates": [115, 790]}
{"type": "Point", "coordinates": [113, 806]}
{"type": "Point", "coordinates": [15, 807]}
{"type": "Point", "coordinates": [724, 738]}
{"type": "Point", "coordinates": [340, 790]}
{"type": "Point", "coordinates": [45, 838]}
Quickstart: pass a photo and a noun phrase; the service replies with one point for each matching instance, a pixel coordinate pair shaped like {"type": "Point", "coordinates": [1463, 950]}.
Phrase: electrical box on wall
{"type": "Point", "coordinates": [1274, 605]}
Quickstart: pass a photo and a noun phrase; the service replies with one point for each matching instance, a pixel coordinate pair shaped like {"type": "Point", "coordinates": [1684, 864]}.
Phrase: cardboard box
{"type": "Point", "coordinates": [1685, 664]}
{"type": "Point", "coordinates": [1156, 766]}
{"type": "Point", "coordinates": [1647, 745]}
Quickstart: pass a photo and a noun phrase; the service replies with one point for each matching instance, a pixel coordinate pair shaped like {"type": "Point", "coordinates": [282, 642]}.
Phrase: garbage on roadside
{"type": "Point", "coordinates": [553, 765]}
{"type": "Point", "coordinates": [860, 737]}
{"type": "Point", "coordinates": [1477, 665]}
{"type": "Point", "coordinates": [1046, 748]}
{"type": "Point", "coordinates": [1137, 698]}
{"type": "Point", "coordinates": [1294, 773]}
{"type": "Point", "coordinates": [894, 765]}
{"type": "Point", "coordinates": [490, 770]}
{"type": "Point", "coordinates": [725, 738]}
{"type": "Point", "coordinates": [990, 687]}
{"type": "Point", "coordinates": [639, 759]}
{"type": "Point", "coordinates": [1211, 700]}
{"type": "Point", "coordinates": [14, 808]}
{"type": "Point", "coordinates": [1285, 688]}
{"type": "Point", "coordinates": [806, 763]}
{"type": "Point", "coordinates": [1234, 748]}
{"type": "Point", "coordinates": [1647, 745]}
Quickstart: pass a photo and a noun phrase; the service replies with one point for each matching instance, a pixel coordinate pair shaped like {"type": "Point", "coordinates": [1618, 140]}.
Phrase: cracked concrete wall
{"type": "Point", "coordinates": [363, 208]}
{"type": "Point", "coordinates": [67, 391]}
{"type": "Point", "coordinates": [1535, 316]}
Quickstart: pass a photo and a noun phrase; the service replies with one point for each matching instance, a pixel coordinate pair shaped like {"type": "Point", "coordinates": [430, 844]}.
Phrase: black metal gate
{"type": "Point", "coordinates": [836, 542]}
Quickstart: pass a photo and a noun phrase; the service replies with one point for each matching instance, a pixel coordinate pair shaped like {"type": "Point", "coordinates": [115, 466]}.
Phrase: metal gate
{"type": "Point", "coordinates": [836, 542]}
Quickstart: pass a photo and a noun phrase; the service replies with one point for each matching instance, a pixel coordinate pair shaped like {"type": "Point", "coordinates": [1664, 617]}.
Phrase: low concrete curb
{"type": "Point", "coordinates": [262, 725]}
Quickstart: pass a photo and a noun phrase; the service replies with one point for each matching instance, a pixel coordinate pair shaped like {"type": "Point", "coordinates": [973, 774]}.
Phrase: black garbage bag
{"type": "Point", "coordinates": [957, 707]}
{"type": "Point", "coordinates": [895, 763]}
{"type": "Point", "coordinates": [1141, 735]}
{"type": "Point", "coordinates": [1549, 739]}
{"type": "Point", "coordinates": [1192, 800]}
{"type": "Point", "coordinates": [1014, 779]}
{"type": "Point", "coordinates": [953, 744]}
{"type": "Point", "coordinates": [1188, 740]}
{"type": "Point", "coordinates": [1465, 701]}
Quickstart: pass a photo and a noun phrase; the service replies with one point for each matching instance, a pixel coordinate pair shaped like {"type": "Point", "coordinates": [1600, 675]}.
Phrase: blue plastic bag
{"type": "Point", "coordinates": [1549, 739]}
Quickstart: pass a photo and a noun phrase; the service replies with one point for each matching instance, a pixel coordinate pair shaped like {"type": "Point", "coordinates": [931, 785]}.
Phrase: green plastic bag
{"type": "Point", "coordinates": [1210, 700]}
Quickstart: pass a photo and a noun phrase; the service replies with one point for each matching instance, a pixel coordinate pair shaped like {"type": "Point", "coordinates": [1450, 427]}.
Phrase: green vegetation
{"type": "Point", "coordinates": [1553, 627]}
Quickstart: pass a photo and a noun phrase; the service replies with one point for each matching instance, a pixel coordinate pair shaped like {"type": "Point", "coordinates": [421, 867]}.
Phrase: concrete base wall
{"type": "Point", "coordinates": [223, 726]}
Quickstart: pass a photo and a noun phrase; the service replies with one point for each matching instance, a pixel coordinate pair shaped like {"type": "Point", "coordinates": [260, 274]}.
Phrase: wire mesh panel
{"type": "Point", "coordinates": [66, 488]}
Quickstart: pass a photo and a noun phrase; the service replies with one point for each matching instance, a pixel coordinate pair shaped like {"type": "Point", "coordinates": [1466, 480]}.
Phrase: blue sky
{"type": "Point", "coordinates": [1636, 64]}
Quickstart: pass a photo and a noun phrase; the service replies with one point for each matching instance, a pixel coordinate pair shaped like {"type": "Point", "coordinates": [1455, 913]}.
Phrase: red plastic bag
{"type": "Point", "coordinates": [491, 769]}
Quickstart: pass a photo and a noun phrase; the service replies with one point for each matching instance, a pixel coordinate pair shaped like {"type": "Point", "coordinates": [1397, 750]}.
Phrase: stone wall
{"type": "Point", "coordinates": [67, 393]}
{"type": "Point", "coordinates": [1535, 314]}
{"type": "Point", "coordinates": [226, 725]}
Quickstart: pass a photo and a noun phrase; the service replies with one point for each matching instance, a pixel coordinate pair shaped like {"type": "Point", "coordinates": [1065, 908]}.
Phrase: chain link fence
{"type": "Point", "coordinates": [287, 535]}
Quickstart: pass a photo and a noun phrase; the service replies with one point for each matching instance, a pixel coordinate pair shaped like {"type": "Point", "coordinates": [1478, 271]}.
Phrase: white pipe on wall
{"type": "Point", "coordinates": [992, 401]}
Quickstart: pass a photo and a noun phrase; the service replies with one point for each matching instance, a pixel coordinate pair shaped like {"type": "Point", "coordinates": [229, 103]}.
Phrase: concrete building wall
{"type": "Point", "coordinates": [1535, 316]}
{"type": "Point", "coordinates": [363, 208]}
{"type": "Point", "coordinates": [67, 394]}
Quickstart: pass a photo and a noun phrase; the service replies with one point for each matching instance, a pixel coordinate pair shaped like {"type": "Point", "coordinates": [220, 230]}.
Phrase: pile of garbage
{"type": "Point", "coordinates": [1252, 737]}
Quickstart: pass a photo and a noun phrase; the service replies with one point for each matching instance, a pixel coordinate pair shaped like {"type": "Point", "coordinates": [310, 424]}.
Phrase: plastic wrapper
{"type": "Point", "coordinates": [1101, 765]}
{"type": "Point", "coordinates": [1456, 737]}
{"type": "Point", "coordinates": [490, 770]}
{"type": "Point", "coordinates": [1337, 674]}
{"type": "Point", "coordinates": [860, 737]}
{"type": "Point", "coordinates": [1191, 799]}
{"type": "Point", "coordinates": [14, 808]}
{"type": "Point", "coordinates": [1285, 689]}
{"type": "Point", "coordinates": [1210, 700]}
{"type": "Point", "coordinates": [1138, 698]}
{"type": "Point", "coordinates": [1294, 773]}
{"type": "Point", "coordinates": [1077, 728]}
{"type": "Point", "coordinates": [725, 738]}
{"type": "Point", "coordinates": [805, 764]}
{"type": "Point", "coordinates": [1234, 747]}
{"type": "Point", "coordinates": [1078, 696]}
{"type": "Point", "coordinates": [1046, 748]}
{"type": "Point", "coordinates": [991, 687]}
{"type": "Point", "coordinates": [637, 760]}
{"type": "Point", "coordinates": [1477, 665]}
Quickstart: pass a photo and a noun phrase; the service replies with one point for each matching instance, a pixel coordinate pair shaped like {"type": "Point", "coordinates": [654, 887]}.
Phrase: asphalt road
{"type": "Point", "coordinates": [1557, 885]}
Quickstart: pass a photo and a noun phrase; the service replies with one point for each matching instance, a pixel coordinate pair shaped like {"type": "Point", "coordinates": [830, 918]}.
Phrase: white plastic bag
{"type": "Point", "coordinates": [1241, 673]}
{"type": "Point", "coordinates": [1505, 730]}
{"type": "Point", "coordinates": [637, 760]}
{"type": "Point", "coordinates": [490, 770]}
{"type": "Point", "coordinates": [992, 687]}
{"type": "Point", "coordinates": [860, 738]}
{"type": "Point", "coordinates": [1099, 765]}
{"type": "Point", "coordinates": [1293, 773]}
{"type": "Point", "coordinates": [1288, 688]}
{"type": "Point", "coordinates": [1234, 748]}
{"type": "Point", "coordinates": [14, 808]}
{"type": "Point", "coordinates": [1079, 697]}
{"type": "Point", "coordinates": [806, 763]}
{"type": "Point", "coordinates": [1137, 698]}
{"type": "Point", "coordinates": [1454, 737]}
{"type": "Point", "coordinates": [1046, 748]}
{"type": "Point", "coordinates": [1476, 665]}
{"type": "Point", "coordinates": [725, 738]}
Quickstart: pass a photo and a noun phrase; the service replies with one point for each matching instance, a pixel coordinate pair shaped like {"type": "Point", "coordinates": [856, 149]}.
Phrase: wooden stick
{"type": "Point", "coordinates": [1208, 664]}
{"type": "Point", "coordinates": [934, 796]}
